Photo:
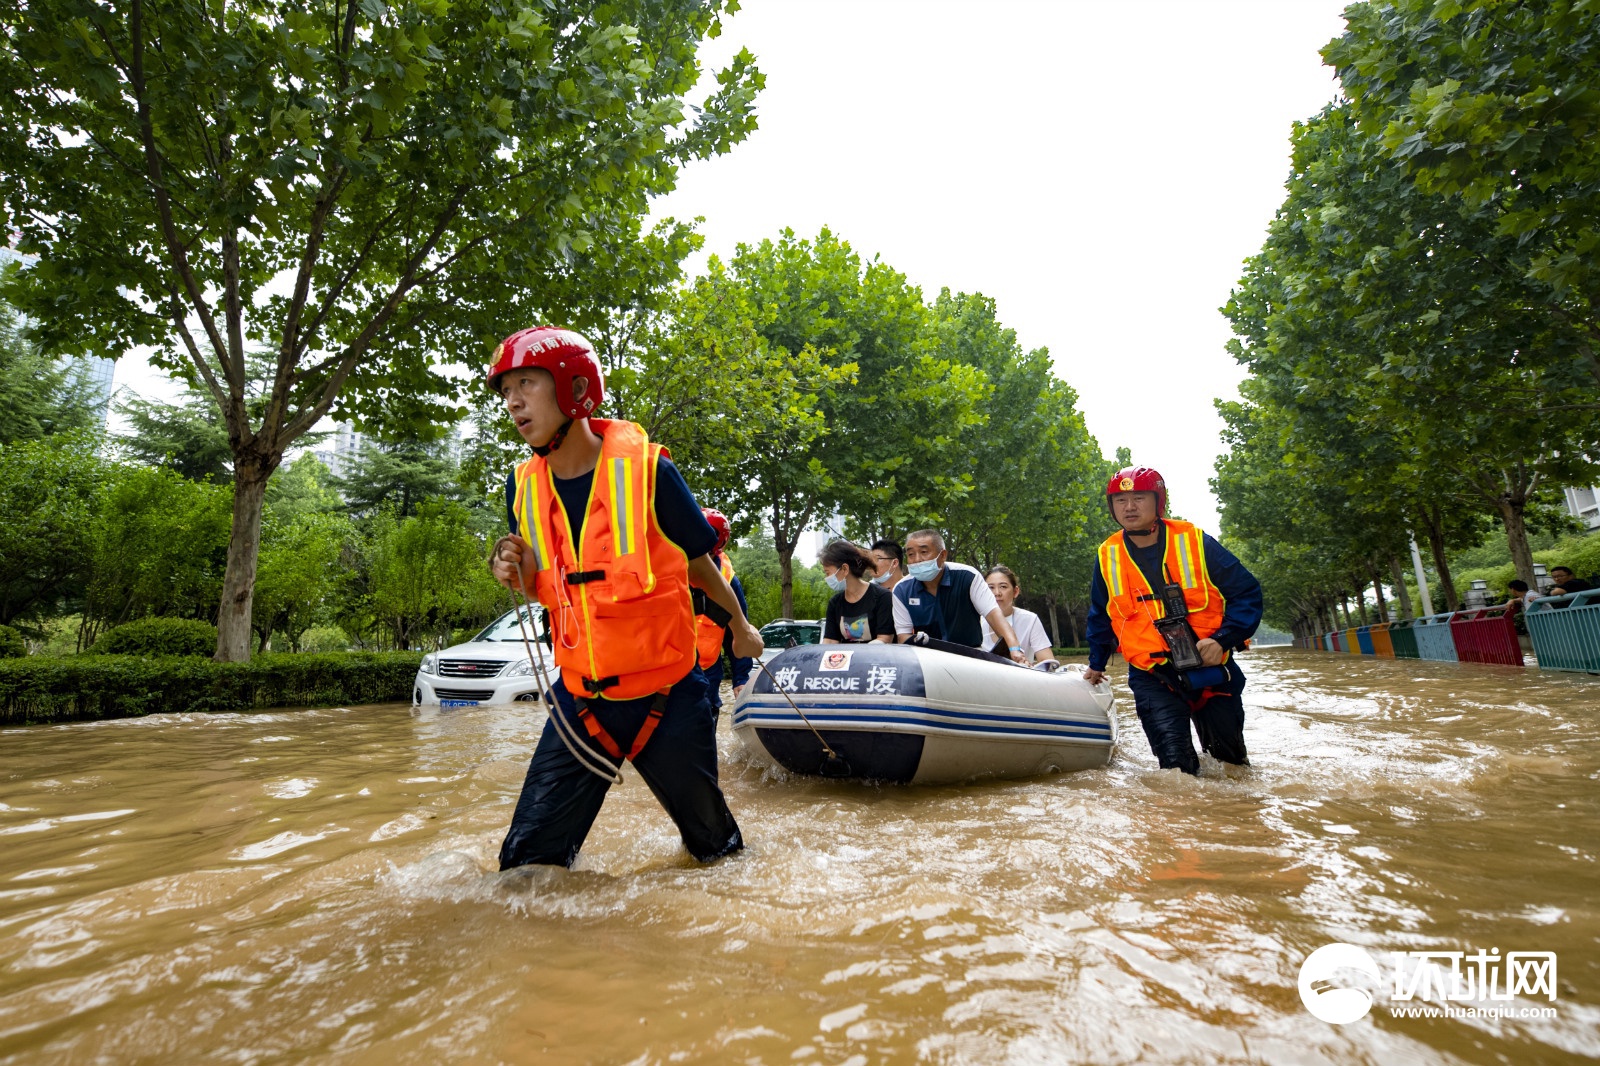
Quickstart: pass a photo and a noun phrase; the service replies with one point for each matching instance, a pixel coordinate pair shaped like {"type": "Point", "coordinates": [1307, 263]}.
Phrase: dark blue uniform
{"type": "Point", "coordinates": [1165, 710]}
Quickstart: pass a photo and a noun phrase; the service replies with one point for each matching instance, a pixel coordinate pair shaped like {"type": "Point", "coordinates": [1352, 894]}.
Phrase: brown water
{"type": "Point", "coordinates": [320, 886]}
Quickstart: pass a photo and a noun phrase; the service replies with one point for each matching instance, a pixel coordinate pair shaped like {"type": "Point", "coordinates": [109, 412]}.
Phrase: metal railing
{"type": "Point", "coordinates": [1487, 635]}
{"type": "Point", "coordinates": [1433, 638]}
{"type": "Point", "coordinates": [1566, 631]}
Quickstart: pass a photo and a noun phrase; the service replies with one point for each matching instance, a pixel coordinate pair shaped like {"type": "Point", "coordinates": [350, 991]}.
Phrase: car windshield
{"type": "Point", "coordinates": [505, 627]}
{"type": "Point", "coordinates": [783, 634]}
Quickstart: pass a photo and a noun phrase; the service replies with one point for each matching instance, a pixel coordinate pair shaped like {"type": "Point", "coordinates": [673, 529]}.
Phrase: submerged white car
{"type": "Point", "coordinates": [492, 667]}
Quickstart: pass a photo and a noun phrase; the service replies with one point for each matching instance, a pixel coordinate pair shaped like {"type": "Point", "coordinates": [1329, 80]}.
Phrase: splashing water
{"type": "Point", "coordinates": [321, 885]}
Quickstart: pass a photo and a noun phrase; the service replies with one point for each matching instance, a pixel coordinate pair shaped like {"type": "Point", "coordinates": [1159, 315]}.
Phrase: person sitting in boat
{"type": "Point", "coordinates": [712, 635]}
{"type": "Point", "coordinates": [941, 600]}
{"type": "Point", "coordinates": [1024, 623]}
{"type": "Point", "coordinates": [1176, 604]}
{"type": "Point", "coordinates": [890, 558]}
{"type": "Point", "coordinates": [859, 611]}
{"type": "Point", "coordinates": [609, 538]}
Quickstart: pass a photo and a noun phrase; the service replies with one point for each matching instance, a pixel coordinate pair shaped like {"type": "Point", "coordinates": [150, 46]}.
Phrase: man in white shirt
{"type": "Point", "coordinates": [941, 600]}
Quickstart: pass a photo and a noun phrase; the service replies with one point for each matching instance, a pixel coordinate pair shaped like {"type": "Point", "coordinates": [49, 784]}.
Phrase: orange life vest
{"type": "Point", "coordinates": [1133, 606]}
{"type": "Point", "coordinates": [708, 635]}
{"type": "Point", "coordinates": [622, 617]}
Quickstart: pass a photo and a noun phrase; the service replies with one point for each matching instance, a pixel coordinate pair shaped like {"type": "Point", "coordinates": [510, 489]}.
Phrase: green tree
{"type": "Point", "coordinates": [372, 185]}
{"type": "Point", "coordinates": [298, 574]}
{"type": "Point", "coordinates": [400, 475]}
{"type": "Point", "coordinates": [303, 487]}
{"type": "Point", "coordinates": [39, 395]}
{"type": "Point", "coordinates": [189, 436]}
{"type": "Point", "coordinates": [1377, 313]}
{"type": "Point", "coordinates": [1031, 468]}
{"type": "Point", "coordinates": [49, 492]}
{"type": "Point", "coordinates": [1489, 106]}
{"type": "Point", "coordinates": [415, 580]}
{"type": "Point", "coordinates": [158, 546]}
{"type": "Point", "coordinates": [888, 404]}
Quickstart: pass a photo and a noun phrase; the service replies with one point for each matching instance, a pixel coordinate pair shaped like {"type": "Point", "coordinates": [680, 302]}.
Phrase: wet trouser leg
{"type": "Point", "coordinates": [560, 799]}
{"type": "Point", "coordinates": [714, 684]}
{"type": "Point", "coordinates": [1165, 716]}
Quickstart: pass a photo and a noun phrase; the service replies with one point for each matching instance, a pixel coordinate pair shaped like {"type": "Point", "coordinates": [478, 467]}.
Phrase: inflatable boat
{"type": "Point", "coordinates": [921, 715]}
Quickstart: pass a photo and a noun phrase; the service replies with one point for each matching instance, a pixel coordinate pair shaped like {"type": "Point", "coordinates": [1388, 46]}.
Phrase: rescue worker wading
{"type": "Point", "coordinates": [1176, 604]}
{"type": "Point", "coordinates": [608, 538]}
{"type": "Point", "coordinates": [712, 635]}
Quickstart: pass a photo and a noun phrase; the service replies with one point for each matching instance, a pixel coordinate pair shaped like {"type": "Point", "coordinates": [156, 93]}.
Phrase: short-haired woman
{"type": "Point", "coordinates": [859, 611]}
{"type": "Point", "coordinates": [1030, 632]}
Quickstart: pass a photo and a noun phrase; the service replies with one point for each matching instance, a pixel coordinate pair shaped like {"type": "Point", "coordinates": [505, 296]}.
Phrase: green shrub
{"type": "Point", "coordinates": [158, 636]}
{"type": "Point", "coordinates": [319, 639]}
{"type": "Point", "coordinates": [40, 689]}
{"type": "Point", "coordinates": [12, 645]}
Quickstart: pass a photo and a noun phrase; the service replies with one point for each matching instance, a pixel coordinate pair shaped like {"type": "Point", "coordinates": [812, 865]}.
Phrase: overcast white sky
{"type": "Point", "coordinates": [1101, 169]}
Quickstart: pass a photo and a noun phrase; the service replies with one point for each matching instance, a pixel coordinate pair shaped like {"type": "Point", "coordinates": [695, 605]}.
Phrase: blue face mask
{"type": "Point", "coordinates": [926, 570]}
{"type": "Point", "coordinates": [834, 583]}
{"type": "Point", "coordinates": [883, 579]}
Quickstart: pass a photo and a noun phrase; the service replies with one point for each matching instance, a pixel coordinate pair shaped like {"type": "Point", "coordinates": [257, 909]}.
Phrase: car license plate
{"type": "Point", "coordinates": [458, 703]}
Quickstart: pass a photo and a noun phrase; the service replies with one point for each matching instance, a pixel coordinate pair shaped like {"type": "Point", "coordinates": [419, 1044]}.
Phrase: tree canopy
{"type": "Point", "coordinates": [366, 190]}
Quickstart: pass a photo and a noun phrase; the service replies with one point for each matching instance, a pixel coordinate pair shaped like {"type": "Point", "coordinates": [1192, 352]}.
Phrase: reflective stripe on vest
{"type": "Point", "coordinates": [621, 613]}
{"type": "Point", "coordinates": [1133, 606]}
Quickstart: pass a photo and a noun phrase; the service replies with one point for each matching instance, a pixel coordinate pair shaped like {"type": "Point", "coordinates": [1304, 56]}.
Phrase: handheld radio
{"type": "Point", "coordinates": [1175, 631]}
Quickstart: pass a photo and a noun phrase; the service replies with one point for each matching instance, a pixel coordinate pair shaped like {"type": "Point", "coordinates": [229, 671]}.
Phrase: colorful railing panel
{"type": "Point", "coordinates": [1566, 631]}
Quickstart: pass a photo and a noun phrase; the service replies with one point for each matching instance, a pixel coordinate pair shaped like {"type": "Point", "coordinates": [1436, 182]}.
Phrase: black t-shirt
{"type": "Point", "coordinates": [867, 619]}
{"type": "Point", "coordinates": [677, 512]}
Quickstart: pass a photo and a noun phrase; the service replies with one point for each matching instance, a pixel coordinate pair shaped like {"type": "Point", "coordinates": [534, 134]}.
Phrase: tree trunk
{"type": "Point", "coordinates": [786, 577]}
{"type": "Point", "coordinates": [234, 631]}
{"type": "Point", "coordinates": [1072, 628]}
{"type": "Point", "coordinates": [1377, 587]}
{"type": "Point", "coordinates": [1397, 572]}
{"type": "Point", "coordinates": [1361, 599]}
{"type": "Point", "coordinates": [1344, 608]}
{"type": "Point", "coordinates": [1512, 517]}
{"type": "Point", "coordinates": [1055, 629]}
{"type": "Point", "coordinates": [1441, 564]}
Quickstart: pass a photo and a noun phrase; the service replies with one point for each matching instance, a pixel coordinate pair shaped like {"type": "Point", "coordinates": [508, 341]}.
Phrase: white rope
{"type": "Point", "coordinates": [576, 746]}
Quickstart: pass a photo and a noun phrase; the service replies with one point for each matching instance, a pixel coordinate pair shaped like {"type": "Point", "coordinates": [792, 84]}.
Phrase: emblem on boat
{"type": "Point", "coordinates": [834, 660]}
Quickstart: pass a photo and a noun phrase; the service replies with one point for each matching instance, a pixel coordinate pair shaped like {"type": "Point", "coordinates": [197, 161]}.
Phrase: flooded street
{"type": "Point", "coordinates": [320, 886]}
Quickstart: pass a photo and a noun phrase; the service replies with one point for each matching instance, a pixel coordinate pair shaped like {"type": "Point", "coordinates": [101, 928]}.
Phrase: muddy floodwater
{"type": "Point", "coordinates": [320, 886]}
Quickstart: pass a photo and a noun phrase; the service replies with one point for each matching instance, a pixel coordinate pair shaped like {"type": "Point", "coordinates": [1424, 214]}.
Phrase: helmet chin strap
{"type": "Point", "coordinates": [543, 450]}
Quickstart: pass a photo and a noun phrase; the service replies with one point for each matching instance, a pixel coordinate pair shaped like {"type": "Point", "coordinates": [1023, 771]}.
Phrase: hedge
{"type": "Point", "coordinates": [12, 646]}
{"type": "Point", "coordinates": [91, 687]}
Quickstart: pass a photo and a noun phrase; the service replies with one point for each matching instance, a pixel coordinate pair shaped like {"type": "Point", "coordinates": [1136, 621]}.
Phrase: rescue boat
{"type": "Point", "coordinates": [921, 715]}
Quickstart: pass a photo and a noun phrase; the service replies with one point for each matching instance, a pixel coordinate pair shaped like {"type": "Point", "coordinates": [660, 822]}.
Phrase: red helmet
{"type": "Point", "coordinates": [565, 354]}
{"type": "Point", "coordinates": [1139, 479]}
{"type": "Point", "coordinates": [719, 526]}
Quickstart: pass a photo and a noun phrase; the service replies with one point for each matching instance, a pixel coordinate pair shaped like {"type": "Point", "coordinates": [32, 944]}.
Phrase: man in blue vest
{"type": "Point", "coordinates": [941, 600]}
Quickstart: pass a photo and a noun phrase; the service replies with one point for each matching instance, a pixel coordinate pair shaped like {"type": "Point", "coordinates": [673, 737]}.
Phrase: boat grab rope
{"type": "Point", "coordinates": [576, 746]}
{"type": "Point", "coordinates": [832, 758]}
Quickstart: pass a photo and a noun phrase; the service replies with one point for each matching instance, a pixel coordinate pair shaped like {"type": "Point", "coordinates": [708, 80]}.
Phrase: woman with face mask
{"type": "Point", "coordinates": [859, 611]}
{"type": "Point", "coordinates": [1027, 625]}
